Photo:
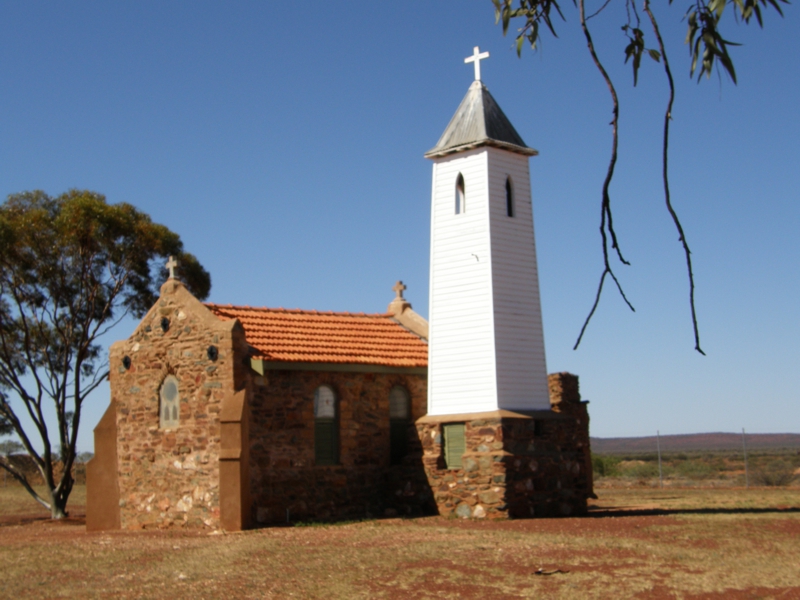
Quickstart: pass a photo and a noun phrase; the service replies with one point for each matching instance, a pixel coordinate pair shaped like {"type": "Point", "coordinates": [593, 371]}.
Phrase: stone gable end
{"type": "Point", "coordinates": [169, 475]}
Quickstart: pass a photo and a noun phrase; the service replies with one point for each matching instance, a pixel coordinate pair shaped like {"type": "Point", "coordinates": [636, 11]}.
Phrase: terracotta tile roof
{"type": "Point", "coordinates": [326, 337]}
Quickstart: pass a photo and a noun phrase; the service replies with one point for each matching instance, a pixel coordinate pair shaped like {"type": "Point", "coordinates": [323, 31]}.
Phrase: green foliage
{"type": "Point", "coordinates": [774, 467]}
{"type": "Point", "coordinates": [605, 466]}
{"type": "Point", "coordinates": [8, 447]}
{"type": "Point", "coordinates": [645, 456]}
{"type": "Point", "coordinates": [641, 470]}
{"type": "Point", "coordinates": [775, 473]}
{"type": "Point", "coordinates": [84, 457]}
{"type": "Point", "coordinates": [706, 44]}
{"type": "Point", "coordinates": [696, 470]}
{"type": "Point", "coordinates": [5, 424]}
{"type": "Point", "coordinates": [534, 12]}
{"type": "Point", "coordinates": [70, 268]}
{"type": "Point", "coordinates": [636, 49]}
{"type": "Point", "coordinates": [703, 37]}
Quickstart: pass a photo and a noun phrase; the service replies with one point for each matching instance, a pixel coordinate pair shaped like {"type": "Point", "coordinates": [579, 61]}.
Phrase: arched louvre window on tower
{"type": "Point", "coordinates": [461, 195]}
{"type": "Point", "coordinates": [509, 197]}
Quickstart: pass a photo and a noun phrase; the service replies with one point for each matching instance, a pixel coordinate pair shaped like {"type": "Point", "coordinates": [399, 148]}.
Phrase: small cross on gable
{"type": "Point", "coordinates": [171, 264]}
{"type": "Point", "coordinates": [398, 289]}
{"type": "Point", "coordinates": [477, 57]}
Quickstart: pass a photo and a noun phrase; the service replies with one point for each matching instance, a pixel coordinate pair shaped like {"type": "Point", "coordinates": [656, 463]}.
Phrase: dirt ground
{"type": "Point", "coordinates": [636, 543]}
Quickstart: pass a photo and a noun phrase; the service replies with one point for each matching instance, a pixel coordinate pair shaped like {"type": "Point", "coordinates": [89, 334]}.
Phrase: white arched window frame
{"type": "Point", "coordinates": [326, 426]}
{"type": "Point", "coordinates": [461, 195]}
{"type": "Point", "coordinates": [169, 408]}
{"type": "Point", "coordinates": [509, 197]}
{"type": "Point", "coordinates": [399, 422]}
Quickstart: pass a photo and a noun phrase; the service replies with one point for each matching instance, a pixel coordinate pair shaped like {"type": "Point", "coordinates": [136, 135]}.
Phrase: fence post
{"type": "Point", "coordinates": [746, 474]}
{"type": "Point", "coordinates": [658, 447]}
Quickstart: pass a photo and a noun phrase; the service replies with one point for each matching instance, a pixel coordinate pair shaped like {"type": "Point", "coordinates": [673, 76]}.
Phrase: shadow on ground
{"type": "Point", "coordinates": [599, 512]}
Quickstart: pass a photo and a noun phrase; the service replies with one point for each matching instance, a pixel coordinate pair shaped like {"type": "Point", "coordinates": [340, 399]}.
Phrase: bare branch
{"type": "Point", "coordinates": [606, 219]}
{"type": "Point", "coordinates": [594, 308]}
{"type": "Point", "coordinates": [599, 10]}
{"type": "Point", "coordinates": [665, 156]}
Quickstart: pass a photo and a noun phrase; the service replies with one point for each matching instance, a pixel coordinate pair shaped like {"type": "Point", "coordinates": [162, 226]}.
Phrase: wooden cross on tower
{"type": "Point", "coordinates": [171, 264]}
{"type": "Point", "coordinates": [398, 289]}
{"type": "Point", "coordinates": [477, 57]}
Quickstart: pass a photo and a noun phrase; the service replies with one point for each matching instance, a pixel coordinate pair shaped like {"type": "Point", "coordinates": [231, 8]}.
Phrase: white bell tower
{"type": "Point", "coordinates": [486, 347]}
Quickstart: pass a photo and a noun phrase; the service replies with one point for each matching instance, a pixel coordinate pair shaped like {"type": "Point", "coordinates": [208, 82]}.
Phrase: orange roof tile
{"type": "Point", "coordinates": [326, 337]}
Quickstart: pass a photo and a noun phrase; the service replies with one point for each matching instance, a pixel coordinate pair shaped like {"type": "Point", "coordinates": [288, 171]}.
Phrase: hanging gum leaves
{"type": "Point", "coordinates": [703, 35]}
{"type": "Point", "coordinates": [636, 49]}
{"type": "Point", "coordinates": [706, 45]}
{"type": "Point", "coordinates": [534, 12]}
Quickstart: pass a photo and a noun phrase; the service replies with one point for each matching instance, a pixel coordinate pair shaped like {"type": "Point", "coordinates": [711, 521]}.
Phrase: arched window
{"type": "Point", "coordinates": [509, 197]}
{"type": "Point", "coordinates": [461, 195]}
{"type": "Point", "coordinates": [326, 427]}
{"type": "Point", "coordinates": [169, 408]}
{"type": "Point", "coordinates": [399, 422]}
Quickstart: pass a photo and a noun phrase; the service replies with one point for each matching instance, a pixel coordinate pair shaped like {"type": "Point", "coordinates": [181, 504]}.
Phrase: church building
{"type": "Point", "coordinates": [232, 417]}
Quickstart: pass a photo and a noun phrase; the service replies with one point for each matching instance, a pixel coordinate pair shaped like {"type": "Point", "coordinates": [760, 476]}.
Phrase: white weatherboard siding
{"type": "Point", "coordinates": [519, 341]}
{"type": "Point", "coordinates": [461, 361]}
{"type": "Point", "coordinates": [486, 345]}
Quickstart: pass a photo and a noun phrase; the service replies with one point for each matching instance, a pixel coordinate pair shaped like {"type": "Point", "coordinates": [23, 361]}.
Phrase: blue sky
{"type": "Point", "coordinates": [284, 143]}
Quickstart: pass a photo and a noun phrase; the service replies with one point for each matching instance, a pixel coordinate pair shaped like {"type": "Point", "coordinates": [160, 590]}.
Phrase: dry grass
{"type": "Point", "coordinates": [691, 543]}
{"type": "Point", "coordinates": [14, 500]}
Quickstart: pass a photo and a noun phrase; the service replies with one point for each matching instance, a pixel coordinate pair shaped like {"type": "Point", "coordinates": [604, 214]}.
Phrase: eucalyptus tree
{"type": "Point", "coordinates": [71, 267]}
{"type": "Point", "coordinates": [5, 425]}
{"type": "Point", "coordinates": [707, 48]}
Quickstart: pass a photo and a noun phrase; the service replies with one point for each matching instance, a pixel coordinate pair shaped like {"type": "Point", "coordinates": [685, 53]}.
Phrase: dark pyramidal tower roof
{"type": "Point", "coordinates": [479, 121]}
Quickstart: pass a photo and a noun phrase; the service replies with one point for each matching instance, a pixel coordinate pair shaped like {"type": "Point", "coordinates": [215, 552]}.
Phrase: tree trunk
{"type": "Point", "coordinates": [56, 511]}
{"type": "Point", "coordinates": [58, 499]}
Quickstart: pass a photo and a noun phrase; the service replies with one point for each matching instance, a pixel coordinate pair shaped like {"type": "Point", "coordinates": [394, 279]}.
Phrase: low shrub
{"type": "Point", "coordinates": [693, 469]}
{"type": "Point", "coordinates": [605, 466]}
{"type": "Point", "coordinates": [775, 473]}
{"type": "Point", "coordinates": [641, 470]}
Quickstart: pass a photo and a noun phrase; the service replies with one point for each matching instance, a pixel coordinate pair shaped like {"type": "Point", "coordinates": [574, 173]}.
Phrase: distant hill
{"type": "Point", "coordinates": [696, 441]}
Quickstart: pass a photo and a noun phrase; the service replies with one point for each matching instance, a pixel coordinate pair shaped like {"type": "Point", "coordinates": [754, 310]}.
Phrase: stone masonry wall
{"type": "Point", "coordinates": [171, 476]}
{"type": "Point", "coordinates": [565, 398]}
{"type": "Point", "coordinates": [284, 481]}
{"type": "Point", "coordinates": [478, 488]}
{"type": "Point", "coordinates": [545, 474]}
{"type": "Point", "coordinates": [536, 464]}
